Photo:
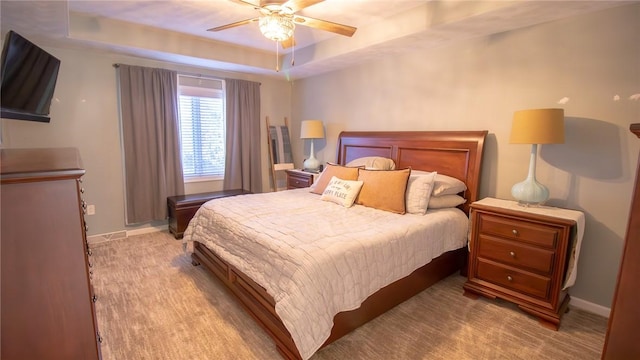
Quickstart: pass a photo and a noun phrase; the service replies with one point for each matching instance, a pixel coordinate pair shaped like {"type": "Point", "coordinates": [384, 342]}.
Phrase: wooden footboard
{"type": "Point", "coordinates": [254, 297]}
{"type": "Point", "coordinates": [262, 306]}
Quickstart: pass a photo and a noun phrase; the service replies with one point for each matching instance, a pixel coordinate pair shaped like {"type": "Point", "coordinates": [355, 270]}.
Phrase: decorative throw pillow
{"type": "Point", "coordinates": [418, 193]}
{"type": "Point", "coordinates": [331, 170]}
{"type": "Point", "coordinates": [341, 192]}
{"type": "Point", "coordinates": [373, 163]}
{"type": "Point", "coordinates": [384, 189]}
{"type": "Point", "coordinates": [445, 201]}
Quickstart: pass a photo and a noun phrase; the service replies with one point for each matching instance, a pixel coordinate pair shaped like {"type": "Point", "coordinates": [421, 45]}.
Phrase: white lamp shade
{"type": "Point", "coordinates": [311, 129]}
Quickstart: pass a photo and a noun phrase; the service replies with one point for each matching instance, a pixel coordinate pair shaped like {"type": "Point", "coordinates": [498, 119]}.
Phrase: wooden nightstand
{"type": "Point", "coordinates": [525, 255]}
{"type": "Point", "coordinates": [299, 179]}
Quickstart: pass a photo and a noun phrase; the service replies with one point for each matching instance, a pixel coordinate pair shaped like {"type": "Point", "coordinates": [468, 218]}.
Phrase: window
{"type": "Point", "coordinates": [202, 127]}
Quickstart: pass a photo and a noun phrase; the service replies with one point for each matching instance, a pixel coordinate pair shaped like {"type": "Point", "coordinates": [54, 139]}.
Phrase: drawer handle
{"type": "Point", "coordinates": [515, 232]}
{"type": "Point", "coordinates": [509, 278]}
{"type": "Point", "coordinates": [513, 254]}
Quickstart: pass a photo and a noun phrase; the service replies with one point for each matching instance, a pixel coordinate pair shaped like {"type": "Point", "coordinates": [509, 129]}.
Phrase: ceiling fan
{"type": "Point", "coordinates": [277, 20]}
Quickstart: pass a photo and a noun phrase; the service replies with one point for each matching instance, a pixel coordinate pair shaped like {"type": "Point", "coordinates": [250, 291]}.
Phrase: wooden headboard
{"type": "Point", "coordinates": [454, 153]}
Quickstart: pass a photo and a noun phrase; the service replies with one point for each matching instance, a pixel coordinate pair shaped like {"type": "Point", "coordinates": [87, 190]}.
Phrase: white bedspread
{"type": "Point", "coordinates": [318, 258]}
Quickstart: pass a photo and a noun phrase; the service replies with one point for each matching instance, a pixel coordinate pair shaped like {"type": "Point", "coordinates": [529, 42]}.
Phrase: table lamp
{"type": "Point", "coordinates": [535, 126]}
{"type": "Point", "coordinates": [311, 129]}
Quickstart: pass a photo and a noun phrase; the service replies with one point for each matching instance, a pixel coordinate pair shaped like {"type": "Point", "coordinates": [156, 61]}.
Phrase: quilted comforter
{"type": "Point", "coordinates": [317, 258]}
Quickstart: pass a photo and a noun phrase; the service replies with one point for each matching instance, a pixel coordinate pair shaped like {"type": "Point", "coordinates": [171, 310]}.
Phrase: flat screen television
{"type": "Point", "coordinates": [29, 76]}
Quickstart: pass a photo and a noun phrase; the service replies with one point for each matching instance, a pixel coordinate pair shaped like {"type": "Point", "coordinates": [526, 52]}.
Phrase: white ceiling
{"type": "Point", "coordinates": [175, 30]}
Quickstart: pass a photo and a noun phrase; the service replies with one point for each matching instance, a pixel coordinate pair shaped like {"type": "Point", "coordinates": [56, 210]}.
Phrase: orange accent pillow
{"type": "Point", "coordinates": [384, 189]}
{"type": "Point", "coordinates": [331, 170]}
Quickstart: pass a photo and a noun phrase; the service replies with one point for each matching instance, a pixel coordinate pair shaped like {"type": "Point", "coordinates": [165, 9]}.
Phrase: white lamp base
{"type": "Point", "coordinates": [311, 164]}
{"type": "Point", "coordinates": [530, 192]}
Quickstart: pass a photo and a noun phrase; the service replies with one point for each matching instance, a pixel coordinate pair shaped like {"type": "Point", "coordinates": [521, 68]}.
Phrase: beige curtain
{"type": "Point", "coordinates": [150, 135]}
{"type": "Point", "coordinates": [243, 168]}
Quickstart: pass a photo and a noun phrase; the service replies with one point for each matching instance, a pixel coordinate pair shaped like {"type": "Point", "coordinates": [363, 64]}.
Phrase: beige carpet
{"type": "Point", "coordinates": [153, 304]}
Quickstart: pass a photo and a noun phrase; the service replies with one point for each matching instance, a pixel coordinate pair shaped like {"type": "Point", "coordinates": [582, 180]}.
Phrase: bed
{"type": "Point", "coordinates": [265, 290]}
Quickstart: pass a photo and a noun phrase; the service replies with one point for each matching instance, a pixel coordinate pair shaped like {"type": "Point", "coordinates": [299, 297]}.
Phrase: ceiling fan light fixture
{"type": "Point", "coordinates": [276, 27]}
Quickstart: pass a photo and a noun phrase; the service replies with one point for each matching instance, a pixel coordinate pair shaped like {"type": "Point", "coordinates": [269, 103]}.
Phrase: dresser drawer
{"type": "Point", "coordinates": [514, 279]}
{"type": "Point", "coordinates": [514, 253]}
{"type": "Point", "coordinates": [528, 232]}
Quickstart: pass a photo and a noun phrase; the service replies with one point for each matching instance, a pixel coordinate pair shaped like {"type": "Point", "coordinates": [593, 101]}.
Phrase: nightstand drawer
{"type": "Point", "coordinates": [524, 231]}
{"type": "Point", "coordinates": [299, 179]}
{"type": "Point", "coordinates": [511, 252]}
{"type": "Point", "coordinates": [514, 279]}
{"type": "Point", "coordinates": [296, 182]}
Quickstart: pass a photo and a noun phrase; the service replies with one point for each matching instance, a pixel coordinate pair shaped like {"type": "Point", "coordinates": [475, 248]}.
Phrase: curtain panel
{"type": "Point", "coordinates": [151, 141]}
{"type": "Point", "coordinates": [243, 166]}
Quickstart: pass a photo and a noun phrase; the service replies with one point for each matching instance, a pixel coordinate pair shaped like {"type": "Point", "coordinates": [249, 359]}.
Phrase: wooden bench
{"type": "Point", "coordinates": [183, 207]}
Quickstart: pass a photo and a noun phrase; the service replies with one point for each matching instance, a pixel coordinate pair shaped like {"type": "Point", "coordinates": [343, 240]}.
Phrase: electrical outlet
{"type": "Point", "coordinates": [91, 209]}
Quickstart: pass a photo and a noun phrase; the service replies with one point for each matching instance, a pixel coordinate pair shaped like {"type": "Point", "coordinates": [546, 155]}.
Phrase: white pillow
{"type": "Point", "coordinates": [444, 185]}
{"type": "Point", "coordinates": [445, 201]}
{"type": "Point", "coordinates": [373, 163]}
{"type": "Point", "coordinates": [418, 192]}
{"type": "Point", "coordinates": [341, 192]}
{"type": "Point", "coordinates": [447, 185]}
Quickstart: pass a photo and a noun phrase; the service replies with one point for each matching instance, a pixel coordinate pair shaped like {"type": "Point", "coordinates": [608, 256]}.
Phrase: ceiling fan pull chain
{"type": "Point", "coordinates": [277, 56]}
{"type": "Point", "coordinates": [293, 51]}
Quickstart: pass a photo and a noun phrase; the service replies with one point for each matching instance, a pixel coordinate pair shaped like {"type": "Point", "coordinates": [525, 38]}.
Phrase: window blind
{"type": "Point", "coordinates": [202, 127]}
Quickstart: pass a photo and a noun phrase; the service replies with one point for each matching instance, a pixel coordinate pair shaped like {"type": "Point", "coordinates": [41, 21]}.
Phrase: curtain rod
{"type": "Point", "coordinates": [190, 74]}
{"type": "Point", "coordinates": [183, 73]}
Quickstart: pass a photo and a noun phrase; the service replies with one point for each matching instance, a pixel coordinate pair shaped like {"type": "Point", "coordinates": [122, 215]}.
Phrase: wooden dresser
{"type": "Point", "coordinates": [622, 340]}
{"type": "Point", "coordinates": [47, 299]}
{"type": "Point", "coordinates": [523, 255]}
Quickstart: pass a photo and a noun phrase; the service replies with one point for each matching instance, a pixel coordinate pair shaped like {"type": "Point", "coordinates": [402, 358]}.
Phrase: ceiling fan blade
{"type": "Point", "coordinates": [345, 30]}
{"type": "Point", "coordinates": [232, 25]}
{"type": "Point", "coordinates": [290, 42]}
{"type": "Point", "coordinates": [297, 5]}
{"type": "Point", "coordinates": [253, 3]}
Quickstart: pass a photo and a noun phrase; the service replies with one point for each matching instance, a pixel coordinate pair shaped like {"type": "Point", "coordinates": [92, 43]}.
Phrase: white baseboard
{"type": "Point", "coordinates": [147, 230]}
{"type": "Point", "coordinates": [590, 307]}
{"type": "Point", "coordinates": [100, 238]}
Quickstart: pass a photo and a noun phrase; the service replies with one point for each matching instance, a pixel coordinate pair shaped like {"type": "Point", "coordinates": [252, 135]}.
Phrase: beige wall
{"type": "Point", "coordinates": [478, 84]}
{"type": "Point", "coordinates": [84, 114]}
